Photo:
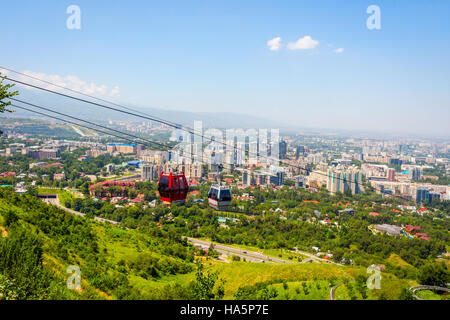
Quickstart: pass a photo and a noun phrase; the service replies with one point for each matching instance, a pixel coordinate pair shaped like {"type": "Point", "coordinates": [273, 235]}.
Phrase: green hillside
{"type": "Point", "coordinates": [38, 242]}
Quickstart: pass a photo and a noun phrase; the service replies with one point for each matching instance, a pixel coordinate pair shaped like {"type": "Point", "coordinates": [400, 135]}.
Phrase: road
{"type": "Point", "coordinates": [248, 255]}
{"type": "Point", "coordinates": [55, 201]}
{"type": "Point", "coordinates": [434, 288]}
{"type": "Point", "coordinates": [314, 258]}
{"type": "Point", "coordinates": [333, 290]}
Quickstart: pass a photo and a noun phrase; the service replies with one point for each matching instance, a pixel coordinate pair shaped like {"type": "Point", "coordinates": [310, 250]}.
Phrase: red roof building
{"type": "Point", "coordinates": [53, 165]}
{"type": "Point", "coordinates": [423, 236]}
{"type": "Point", "coordinates": [409, 228]}
{"type": "Point", "coordinates": [7, 174]}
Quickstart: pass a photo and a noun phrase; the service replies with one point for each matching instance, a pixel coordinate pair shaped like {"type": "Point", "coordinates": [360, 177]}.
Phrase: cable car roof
{"type": "Point", "coordinates": [215, 186]}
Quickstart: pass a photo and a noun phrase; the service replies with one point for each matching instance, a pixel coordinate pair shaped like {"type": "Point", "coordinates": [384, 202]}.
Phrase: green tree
{"type": "Point", "coordinates": [21, 260]}
{"type": "Point", "coordinates": [433, 274]}
{"type": "Point", "coordinates": [406, 294]}
{"type": "Point", "coordinates": [5, 93]}
{"type": "Point", "coordinates": [236, 258]}
{"type": "Point", "coordinates": [203, 288]}
{"type": "Point", "coordinates": [10, 218]}
{"type": "Point", "coordinates": [361, 285]}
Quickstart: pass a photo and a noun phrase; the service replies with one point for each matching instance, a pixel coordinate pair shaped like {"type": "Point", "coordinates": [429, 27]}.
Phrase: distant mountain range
{"type": "Point", "coordinates": [95, 113]}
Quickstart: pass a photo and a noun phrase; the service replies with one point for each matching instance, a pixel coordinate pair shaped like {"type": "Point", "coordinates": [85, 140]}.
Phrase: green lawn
{"type": "Point", "coordinates": [303, 290]}
{"type": "Point", "coordinates": [390, 289]}
{"type": "Point", "coordinates": [239, 274]}
{"type": "Point", "coordinates": [430, 295]}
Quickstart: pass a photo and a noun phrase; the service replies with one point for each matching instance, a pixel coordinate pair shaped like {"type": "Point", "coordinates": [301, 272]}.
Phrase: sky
{"type": "Point", "coordinates": [312, 64]}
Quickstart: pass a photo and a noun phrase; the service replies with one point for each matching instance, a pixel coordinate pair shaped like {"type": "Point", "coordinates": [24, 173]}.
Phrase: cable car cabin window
{"type": "Point", "coordinates": [181, 184]}
{"type": "Point", "coordinates": [225, 195]}
{"type": "Point", "coordinates": [164, 184]}
{"type": "Point", "coordinates": [213, 194]}
{"type": "Point", "coordinates": [175, 184]}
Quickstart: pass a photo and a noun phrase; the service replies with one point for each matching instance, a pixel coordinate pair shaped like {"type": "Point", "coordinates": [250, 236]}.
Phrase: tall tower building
{"type": "Point", "coordinates": [282, 149]}
{"type": "Point", "coordinates": [422, 195]}
{"type": "Point", "coordinates": [147, 172]}
{"type": "Point", "coordinates": [390, 174]}
{"type": "Point", "coordinates": [299, 151]}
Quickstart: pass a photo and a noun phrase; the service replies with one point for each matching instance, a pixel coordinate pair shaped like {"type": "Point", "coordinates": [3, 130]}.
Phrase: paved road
{"type": "Point", "coordinates": [128, 178]}
{"type": "Point", "coordinates": [333, 290]}
{"type": "Point", "coordinates": [314, 258]}
{"type": "Point", "coordinates": [417, 288]}
{"type": "Point", "coordinates": [248, 255]}
{"type": "Point", "coordinates": [55, 201]}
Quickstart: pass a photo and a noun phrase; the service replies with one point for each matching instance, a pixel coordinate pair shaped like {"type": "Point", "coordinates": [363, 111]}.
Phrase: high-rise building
{"type": "Point", "coordinates": [151, 172]}
{"type": "Point", "coordinates": [343, 180]}
{"type": "Point", "coordinates": [422, 195]}
{"type": "Point", "coordinates": [193, 170]}
{"type": "Point", "coordinates": [43, 154]}
{"type": "Point", "coordinates": [299, 151]}
{"type": "Point", "coordinates": [139, 149]}
{"type": "Point", "coordinates": [300, 181]}
{"type": "Point", "coordinates": [248, 178]}
{"type": "Point", "coordinates": [245, 178]}
{"type": "Point", "coordinates": [260, 178]}
{"type": "Point", "coordinates": [390, 174]}
{"type": "Point", "coordinates": [282, 149]}
{"type": "Point", "coordinates": [395, 161]}
{"type": "Point", "coordinates": [147, 172]}
{"type": "Point", "coordinates": [277, 179]}
{"type": "Point", "coordinates": [433, 195]}
{"type": "Point", "coordinates": [414, 174]}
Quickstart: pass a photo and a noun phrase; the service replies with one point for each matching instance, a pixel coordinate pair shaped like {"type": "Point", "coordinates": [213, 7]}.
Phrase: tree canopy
{"type": "Point", "coordinates": [5, 93]}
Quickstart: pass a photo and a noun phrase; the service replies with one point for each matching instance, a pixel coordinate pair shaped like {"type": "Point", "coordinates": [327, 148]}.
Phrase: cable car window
{"type": "Point", "coordinates": [225, 195]}
{"type": "Point", "coordinates": [213, 194]}
{"type": "Point", "coordinates": [164, 183]}
{"type": "Point", "coordinates": [175, 184]}
{"type": "Point", "coordinates": [181, 184]}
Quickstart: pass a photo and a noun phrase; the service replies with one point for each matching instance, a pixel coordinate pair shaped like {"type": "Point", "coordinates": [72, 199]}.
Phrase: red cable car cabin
{"type": "Point", "coordinates": [173, 187]}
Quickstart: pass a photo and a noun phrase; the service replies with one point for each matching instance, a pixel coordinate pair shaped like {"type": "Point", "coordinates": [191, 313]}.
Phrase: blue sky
{"type": "Point", "coordinates": [213, 56]}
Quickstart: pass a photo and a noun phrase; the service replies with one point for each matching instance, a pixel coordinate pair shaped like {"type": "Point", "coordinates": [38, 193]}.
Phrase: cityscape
{"type": "Point", "coordinates": [266, 188]}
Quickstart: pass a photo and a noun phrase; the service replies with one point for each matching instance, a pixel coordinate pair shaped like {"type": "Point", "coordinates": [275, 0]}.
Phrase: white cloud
{"type": "Point", "coordinates": [339, 50]}
{"type": "Point", "coordinates": [70, 82]}
{"type": "Point", "coordinates": [274, 44]}
{"type": "Point", "coordinates": [115, 91]}
{"type": "Point", "coordinates": [303, 44]}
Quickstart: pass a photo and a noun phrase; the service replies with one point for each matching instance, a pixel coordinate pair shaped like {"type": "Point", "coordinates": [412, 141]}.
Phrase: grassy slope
{"type": "Point", "coordinates": [395, 260]}
{"type": "Point", "coordinates": [125, 245]}
{"type": "Point", "coordinates": [239, 274]}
